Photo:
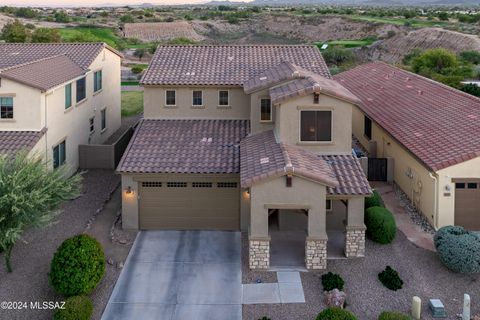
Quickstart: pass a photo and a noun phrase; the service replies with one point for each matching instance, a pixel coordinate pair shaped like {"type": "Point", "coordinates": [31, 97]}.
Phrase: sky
{"type": "Point", "coordinates": [75, 3]}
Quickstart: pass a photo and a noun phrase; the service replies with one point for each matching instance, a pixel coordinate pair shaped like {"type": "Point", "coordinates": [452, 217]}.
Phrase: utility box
{"type": "Point", "coordinates": [437, 308]}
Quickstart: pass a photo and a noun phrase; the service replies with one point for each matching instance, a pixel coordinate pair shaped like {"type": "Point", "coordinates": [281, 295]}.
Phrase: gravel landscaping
{"type": "Point", "coordinates": [31, 258]}
{"type": "Point", "coordinates": [250, 276]}
{"type": "Point", "coordinates": [420, 269]}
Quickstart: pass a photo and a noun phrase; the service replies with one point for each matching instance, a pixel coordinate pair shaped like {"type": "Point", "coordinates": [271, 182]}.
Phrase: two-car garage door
{"type": "Point", "coordinates": [208, 204]}
{"type": "Point", "coordinates": [467, 204]}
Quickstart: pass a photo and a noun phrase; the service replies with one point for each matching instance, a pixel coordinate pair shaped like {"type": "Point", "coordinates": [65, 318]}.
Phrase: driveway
{"type": "Point", "coordinates": [173, 275]}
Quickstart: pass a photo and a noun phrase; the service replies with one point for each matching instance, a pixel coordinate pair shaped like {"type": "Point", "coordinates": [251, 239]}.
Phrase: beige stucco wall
{"type": "Point", "coordinates": [446, 199]}
{"type": "Point", "coordinates": [155, 108]}
{"type": "Point", "coordinates": [256, 124]}
{"type": "Point", "coordinates": [35, 110]}
{"type": "Point", "coordinates": [303, 194]}
{"type": "Point", "coordinates": [287, 124]}
{"type": "Point", "coordinates": [418, 186]}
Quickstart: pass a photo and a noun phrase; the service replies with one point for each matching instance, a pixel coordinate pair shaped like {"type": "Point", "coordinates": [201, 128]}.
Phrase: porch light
{"type": "Point", "coordinates": [247, 193]}
{"type": "Point", "coordinates": [316, 98]}
{"type": "Point", "coordinates": [128, 190]}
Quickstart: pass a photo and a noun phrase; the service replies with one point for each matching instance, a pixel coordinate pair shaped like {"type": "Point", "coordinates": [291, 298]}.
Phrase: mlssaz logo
{"type": "Point", "coordinates": [47, 305]}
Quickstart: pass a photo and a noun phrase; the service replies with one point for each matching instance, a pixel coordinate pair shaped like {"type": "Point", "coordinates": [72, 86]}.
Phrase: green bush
{"type": "Point", "coordinates": [336, 314]}
{"type": "Point", "coordinates": [391, 315]}
{"type": "Point", "coordinates": [375, 200]}
{"type": "Point", "coordinates": [458, 249]}
{"type": "Point", "coordinates": [137, 69]}
{"type": "Point", "coordinates": [332, 281]}
{"type": "Point", "coordinates": [390, 279]}
{"type": "Point", "coordinates": [264, 318]}
{"type": "Point", "coordinates": [76, 308]}
{"type": "Point", "coordinates": [77, 266]}
{"type": "Point", "coordinates": [380, 225]}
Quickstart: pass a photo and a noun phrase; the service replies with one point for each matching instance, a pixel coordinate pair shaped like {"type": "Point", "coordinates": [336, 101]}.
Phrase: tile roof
{"type": "Point", "coordinates": [262, 157]}
{"type": "Point", "coordinates": [284, 71]}
{"type": "Point", "coordinates": [226, 64]}
{"type": "Point", "coordinates": [350, 175]}
{"type": "Point", "coordinates": [438, 124]}
{"type": "Point", "coordinates": [14, 141]}
{"type": "Point", "coordinates": [46, 73]}
{"type": "Point", "coordinates": [185, 146]}
{"type": "Point", "coordinates": [83, 54]}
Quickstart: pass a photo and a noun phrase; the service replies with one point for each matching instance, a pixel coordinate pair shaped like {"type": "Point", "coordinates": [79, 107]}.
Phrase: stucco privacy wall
{"type": "Point", "coordinates": [287, 123]}
{"type": "Point", "coordinates": [72, 124]}
{"type": "Point", "coordinates": [409, 173]}
{"type": "Point", "coordinates": [155, 107]}
{"type": "Point", "coordinates": [446, 206]}
{"type": "Point", "coordinates": [27, 104]}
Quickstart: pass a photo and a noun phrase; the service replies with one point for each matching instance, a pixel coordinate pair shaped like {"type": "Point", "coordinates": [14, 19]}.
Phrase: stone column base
{"type": "Point", "coordinates": [316, 254]}
{"type": "Point", "coordinates": [259, 254]}
{"type": "Point", "coordinates": [355, 241]}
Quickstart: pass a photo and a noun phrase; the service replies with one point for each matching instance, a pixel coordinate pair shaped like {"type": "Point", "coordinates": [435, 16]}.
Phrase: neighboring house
{"type": "Point", "coordinates": [54, 97]}
{"type": "Point", "coordinates": [235, 137]}
{"type": "Point", "coordinates": [433, 133]}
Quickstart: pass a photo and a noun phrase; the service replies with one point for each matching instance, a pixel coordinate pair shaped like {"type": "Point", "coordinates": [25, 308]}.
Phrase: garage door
{"type": "Point", "coordinates": [186, 205]}
{"type": "Point", "coordinates": [467, 205]}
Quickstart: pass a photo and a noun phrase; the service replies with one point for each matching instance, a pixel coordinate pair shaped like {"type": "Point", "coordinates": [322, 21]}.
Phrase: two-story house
{"type": "Point", "coordinates": [235, 136]}
{"type": "Point", "coordinates": [54, 97]}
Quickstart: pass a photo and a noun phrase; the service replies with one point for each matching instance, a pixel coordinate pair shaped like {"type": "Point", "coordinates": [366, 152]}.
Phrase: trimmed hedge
{"type": "Point", "coordinates": [77, 266]}
{"type": "Point", "coordinates": [76, 308]}
{"type": "Point", "coordinates": [332, 281]}
{"type": "Point", "coordinates": [381, 226]}
{"type": "Point", "coordinates": [392, 315]}
{"type": "Point", "coordinates": [390, 279]}
{"type": "Point", "coordinates": [336, 314]}
{"type": "Point", "coordinates": [375, 200]}
{"type": "Point", "coordinates": [458, 249]}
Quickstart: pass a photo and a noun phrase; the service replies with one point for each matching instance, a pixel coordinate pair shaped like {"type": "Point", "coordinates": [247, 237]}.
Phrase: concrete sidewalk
{"type": "Point", "coordinates": [413, 232]}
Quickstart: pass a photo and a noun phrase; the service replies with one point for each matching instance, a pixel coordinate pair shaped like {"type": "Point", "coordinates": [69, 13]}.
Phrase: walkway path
{"type": "Point", "coordinates": [413, 232]}
{"type": "Point", "coordinates": [289, 289]}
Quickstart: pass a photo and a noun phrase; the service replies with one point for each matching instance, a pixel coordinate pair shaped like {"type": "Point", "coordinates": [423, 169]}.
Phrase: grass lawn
{"type": "Point", "coordinates": [90, 34]}
{"type": "Point", "coordinates": [129, 83]}
{"type": "Point", "coordinates": [401, 21]}
{"type": "Point", "coordinates": [132, 103]}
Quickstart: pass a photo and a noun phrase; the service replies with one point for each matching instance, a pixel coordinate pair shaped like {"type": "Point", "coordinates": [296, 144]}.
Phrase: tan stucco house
{"type": "Point", "coordinates": [234, 135]}
{"type": "Point", "coordinates": [54, 97]}
{"type": "Point", "coordinates": [433, 133]}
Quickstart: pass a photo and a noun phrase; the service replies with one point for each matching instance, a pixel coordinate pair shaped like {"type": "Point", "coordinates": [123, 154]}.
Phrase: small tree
{"type": "Point", "coordinates": [139, 53]}
{"type": "Point", "coordinates": [62, 16]}
{"type": "Point", "coordinates": [30, 195]}
{"type": "Point", "coordinates": [46, 35]}
{"type": "Point", "coordinates": [14, 31]}
{"type": "Point", "coordinates": [435, 60]}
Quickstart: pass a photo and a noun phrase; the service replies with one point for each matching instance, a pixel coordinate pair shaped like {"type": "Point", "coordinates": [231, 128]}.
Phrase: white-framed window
{"type": "Point", "coordinates": [97, 81]}
{"type": "Point", "coordinates": [223, 98]}
{"type": "Point", "coordinates": [81, 89]}
{"type": "Point", "coordinates": [6, 107]}
{"type": "Point", "coordinates": [59, 154]}
{"type": "Point", "coordinates": [68, 96]}
{"type": "Point", "coordinates": [91, 124]}
{"type": "Point", "coordinates": [316, 125]}
{"type": "Point", "coordinates": [265, 110]}
{"type": "Point", "coordinates": [103, 116]}
{"type": "Point", "coordinates": [170, 98]}
{"type": "Point", "coordinates": [197, 98]}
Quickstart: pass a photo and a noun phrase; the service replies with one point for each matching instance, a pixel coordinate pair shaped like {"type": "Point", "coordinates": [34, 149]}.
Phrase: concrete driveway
{"type": "Point", "coordinates": [173, 275]}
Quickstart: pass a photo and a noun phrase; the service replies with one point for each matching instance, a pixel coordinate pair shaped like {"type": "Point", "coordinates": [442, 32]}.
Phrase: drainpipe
{"type": "Point", "coordinates": [435, 204]}
{"type": "Point", "coordinates": [46, 131]}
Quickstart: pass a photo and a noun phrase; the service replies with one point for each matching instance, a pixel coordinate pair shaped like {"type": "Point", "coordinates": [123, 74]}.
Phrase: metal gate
{"type": "Point", "coordinates": [377, 169]}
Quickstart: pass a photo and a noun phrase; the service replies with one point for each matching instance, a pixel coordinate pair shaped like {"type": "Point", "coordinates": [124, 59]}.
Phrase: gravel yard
{"type": "Point", "coordinates": [31, 258]}
{"type": "Point", "coordinates": [420, 269]}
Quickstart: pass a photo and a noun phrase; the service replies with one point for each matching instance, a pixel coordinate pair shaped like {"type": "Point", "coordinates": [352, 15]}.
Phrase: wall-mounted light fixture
{"type": "Point", "coordinates": [247, 194]}
{"type": "Point", "coordinates": [128, 190]}
{"type": "Point", "coordinates": [447, 188]}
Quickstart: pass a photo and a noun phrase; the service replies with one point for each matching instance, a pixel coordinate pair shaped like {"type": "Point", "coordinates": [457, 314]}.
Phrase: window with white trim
{"type": "Point", "coordinates": [6, 107]}
{"type": "Point", "coordinates": [59, 154]}
{"type": "Point", "coordinates": [170, 98]}
{"type": "Point", "coordinates": [103, 115]}
{"type": "Point", "coordinates": [97, 81]}
{"type": "Point", "coordinates": [197, 98]}
{"type": "Point", "coordinates": [265, 109]}
{"type": "Point", "coordinates": [223, 98]}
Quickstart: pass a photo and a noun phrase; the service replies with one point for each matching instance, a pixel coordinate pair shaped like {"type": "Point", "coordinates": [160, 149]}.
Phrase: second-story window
{"type": "Point", "coordinates": [91, 124]}
{"type": "Point", "coordinates": [81, 90]}
{"type": "Point", "coordinates": [367, 130]}
{"type": "Point", "coordinates": [223, 98]}
{"type": "Point", "coordinates": [97, 81]}
{"type": "Point", "coordinates": [197, 98]}
{"type": "Point", "coordinates": [265, 110]}
{"type": "Point", "coordinates": [170, 98]}
{"type": "Point", "coordinates": [103, 115]}
{"type": "Point", "coordinates": [316, 125]}
{"type": "Point", "coordinates": [68, 96]}
{"type": "Point", "coordinates": [6, 108]}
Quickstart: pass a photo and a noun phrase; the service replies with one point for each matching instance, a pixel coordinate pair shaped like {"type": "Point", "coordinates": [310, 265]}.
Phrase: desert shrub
{"type": "Point", "coordinates": [458, 249]}
{"type": "Point", "coordinates": [380, 224]}
{"type": "Point", "coordinates": [77, 266]}
{"type": "Point", "coordinates": [76, 308]}
{"type": "Point", "coordinates": [332, 281]}
{"type": "Point", "coordinates": [137, 69]}
{"type": "Point", "coordinates": [390, 279]}
{"type": "Point", "coordinates": [392, 315]}
{"type": "Point", "coordinates": [264, 318]}
{"type": "Point", "coordinates": [375, 200]}
{"type": "Point", "coordinates": [336, 314]}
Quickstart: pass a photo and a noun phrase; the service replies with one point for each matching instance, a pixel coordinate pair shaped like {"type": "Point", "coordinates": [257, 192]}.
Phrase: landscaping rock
{"type": "Point", "coordinates": [335, 298]}
{"type": "Point", "coordinates": [110, 261]}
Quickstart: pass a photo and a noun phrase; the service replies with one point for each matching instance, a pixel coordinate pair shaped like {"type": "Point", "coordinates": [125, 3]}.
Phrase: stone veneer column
{"type": "Point", "coordinates": [259, 254]}
{"type": "Point", "coordinates": [316, 254]}
{"type": "Point", "coordinates": [355, 241]}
